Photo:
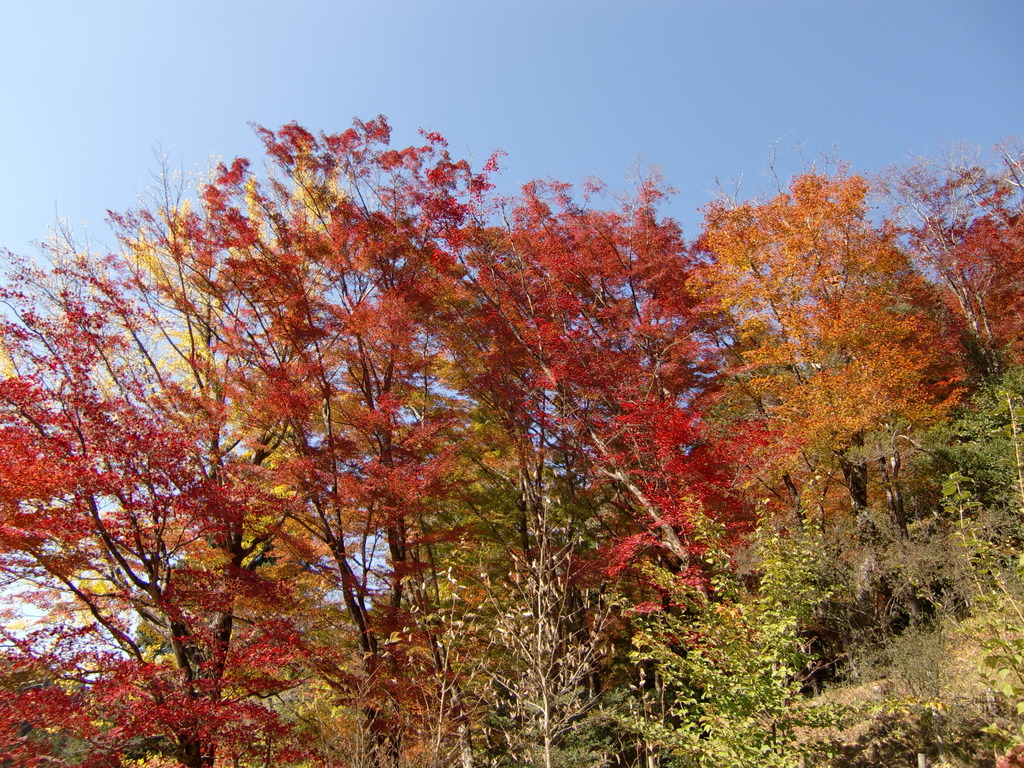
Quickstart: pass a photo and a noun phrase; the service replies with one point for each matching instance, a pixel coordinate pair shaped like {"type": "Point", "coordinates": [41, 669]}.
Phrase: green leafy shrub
{"type": "Point", "coordinates": [734, 659]}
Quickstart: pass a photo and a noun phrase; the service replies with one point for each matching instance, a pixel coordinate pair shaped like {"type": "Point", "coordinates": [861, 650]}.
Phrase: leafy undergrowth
{"type": "Point", "coordinates": [938, 692]}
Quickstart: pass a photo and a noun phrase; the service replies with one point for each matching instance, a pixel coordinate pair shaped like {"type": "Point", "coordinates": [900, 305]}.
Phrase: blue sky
{"type": "Point", "coordinates": [568, 89]}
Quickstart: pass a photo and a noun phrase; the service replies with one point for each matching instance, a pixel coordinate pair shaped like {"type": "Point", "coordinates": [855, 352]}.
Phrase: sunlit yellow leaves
{"type": "Point", "coordinates": [7, 366]}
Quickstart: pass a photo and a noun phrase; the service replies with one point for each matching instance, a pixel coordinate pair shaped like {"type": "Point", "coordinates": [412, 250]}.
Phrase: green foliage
{"type": "Point", "coordinates": [979, 450]}
{"type": "Point", "coordinates": [734, 659]}
{"type": "Point", "coordinates": [998, 568]}
{"type": "Point", "coordinates": [1002, 640]}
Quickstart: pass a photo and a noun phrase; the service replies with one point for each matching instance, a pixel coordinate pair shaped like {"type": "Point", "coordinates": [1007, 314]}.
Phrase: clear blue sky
{"type": "Point", "coordinates": [568, 89]}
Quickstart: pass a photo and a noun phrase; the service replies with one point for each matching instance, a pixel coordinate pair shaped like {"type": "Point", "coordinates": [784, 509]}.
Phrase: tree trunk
{"type": "Point", "coordinates": [192, 754]}
{"type": "Point", "coordinates": [794, 495]}
{"type": "Point", "coordinates": [890, 466]}
{"type": "Point", "coordinates": [856, 475]}
{"type": "Point", "coordinates": [855, 472]}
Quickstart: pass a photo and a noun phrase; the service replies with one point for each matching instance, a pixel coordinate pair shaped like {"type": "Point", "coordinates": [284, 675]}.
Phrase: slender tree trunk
{"type": "Point", "coordinates": [855, 472]}
{"type": "Point", "coordinates": [465, 746]}
{"type": "Point", "coordinates": [794, 495]}
{"type": "Point", "coordinates": [856, 475]}
{"type": "Point", "coordinates": [890, 466]}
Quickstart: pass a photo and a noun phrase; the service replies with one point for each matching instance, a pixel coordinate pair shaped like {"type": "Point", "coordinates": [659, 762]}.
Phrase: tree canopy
{"type": "Point", "coordinates": [356, 462]}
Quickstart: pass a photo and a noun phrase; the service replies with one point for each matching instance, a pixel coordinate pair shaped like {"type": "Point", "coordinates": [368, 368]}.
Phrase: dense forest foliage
{"type": "Point", "coordinates": [354, 462]}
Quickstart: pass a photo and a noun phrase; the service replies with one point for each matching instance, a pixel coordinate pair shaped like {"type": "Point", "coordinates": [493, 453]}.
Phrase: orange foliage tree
{"type": "Point", "coordinates": [833, 355]}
